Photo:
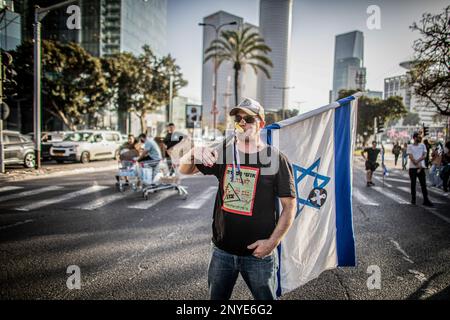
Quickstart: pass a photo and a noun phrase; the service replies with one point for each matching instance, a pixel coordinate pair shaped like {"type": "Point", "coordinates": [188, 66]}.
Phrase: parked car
{"type": "Point", "coordinates": [84, 146]}
{"type": "Point", "coordinates": [19, 149]}
{"type": "Point", "coordinates": [47, 140]}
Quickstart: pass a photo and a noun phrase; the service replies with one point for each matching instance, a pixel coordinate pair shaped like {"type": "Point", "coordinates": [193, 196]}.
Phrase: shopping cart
{"type": "Point", "coordinates": [127, 175]}
{"type": "Point", "coordinates": [155, 176]}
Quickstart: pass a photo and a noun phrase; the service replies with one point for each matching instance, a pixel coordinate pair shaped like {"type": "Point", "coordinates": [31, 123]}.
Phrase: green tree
{"type": "Point", "coordinates": [430, 74]}
{"type": "Point", "coordinates": [72, 80]}
{"type": "Point", "coordinates": [370, 108]}
{"type": "Point", "coordinates": [121, 72]}
{"type": "Point", "coordinates": [242, 47]}
{"type": "Point", "coordinates": [153, 83]}
{"type": "Point", "coordinates": [411, 119]}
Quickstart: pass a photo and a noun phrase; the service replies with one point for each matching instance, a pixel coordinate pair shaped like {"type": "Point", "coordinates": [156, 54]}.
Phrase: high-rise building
{"type": "Point", "coordinates": [275, 25]}
{"type": "Point", "coordinates": [399, 86]}
{"type": "Point", "coordinates": [107, 26]}
{"type": "Point", "coordinates": [225, 73]}
{"type": "Point", "coordinates": [10, 26]}
{"type": "Point", "coordinates": [349, 72]}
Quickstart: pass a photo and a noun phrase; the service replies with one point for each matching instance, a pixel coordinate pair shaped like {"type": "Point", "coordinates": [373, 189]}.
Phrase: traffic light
{"type": "Point", "coordinates": [380, 125]}
{"type": "Point", "coordinates": [7, 73]}
{"type": "Point", "coordinates": [426, 130]}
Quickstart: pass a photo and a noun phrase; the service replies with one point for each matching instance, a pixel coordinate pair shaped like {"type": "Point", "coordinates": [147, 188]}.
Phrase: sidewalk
{"type": "Point", "coordinates": [56, 170]}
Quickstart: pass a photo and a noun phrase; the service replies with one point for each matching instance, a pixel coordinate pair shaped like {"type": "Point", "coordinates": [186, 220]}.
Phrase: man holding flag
{"type": "Point", "coordinates": [246, 227]}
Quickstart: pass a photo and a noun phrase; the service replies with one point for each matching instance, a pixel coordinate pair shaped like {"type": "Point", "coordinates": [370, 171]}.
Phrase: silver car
{"type": "Point", "coordinates": [19, 149]}
{"type": "Point", "coordinates": [84, 146]}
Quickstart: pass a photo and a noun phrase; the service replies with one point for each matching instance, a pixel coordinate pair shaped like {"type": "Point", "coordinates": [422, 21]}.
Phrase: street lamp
{"type": "Point", "coordinates": [39, 15]}
{"type": "Point", "coordinates": [283, 102]}
{"type": "Point", "coordinates": [214, 104]}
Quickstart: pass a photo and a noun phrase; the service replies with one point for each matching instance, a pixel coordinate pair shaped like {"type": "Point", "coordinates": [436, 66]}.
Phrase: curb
{"type": "Point", "coordinates": [6, 179]}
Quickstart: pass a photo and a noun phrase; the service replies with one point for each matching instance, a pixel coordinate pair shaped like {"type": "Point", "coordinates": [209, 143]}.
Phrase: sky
{"type": "Point", "coordinates": [315, 25]}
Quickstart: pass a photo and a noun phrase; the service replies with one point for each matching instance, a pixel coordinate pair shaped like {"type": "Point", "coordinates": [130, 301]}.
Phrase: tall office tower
{"type": "Point", "coordinates": [349, 71]}
{"type": "Point", "coordinates": [225, 73]}
{"type": "Point", "coordinates": [107, 26]}
{"type": "Point", "coordinates": [10, 25]}
{"type": "Point", "coordinates": [275, 25]}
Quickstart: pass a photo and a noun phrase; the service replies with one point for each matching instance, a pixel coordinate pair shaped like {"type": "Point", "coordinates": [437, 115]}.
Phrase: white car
{"type": "Point", "coordinates": [84, 146]}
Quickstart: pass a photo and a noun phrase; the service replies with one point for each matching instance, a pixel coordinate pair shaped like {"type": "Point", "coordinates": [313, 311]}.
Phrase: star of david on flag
{"type": "Point", "coordinates": [318, 195]}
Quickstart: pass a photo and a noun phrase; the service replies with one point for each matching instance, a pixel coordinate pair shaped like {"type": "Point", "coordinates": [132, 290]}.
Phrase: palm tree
{"type": "Point", "coordinates": [242, 47]}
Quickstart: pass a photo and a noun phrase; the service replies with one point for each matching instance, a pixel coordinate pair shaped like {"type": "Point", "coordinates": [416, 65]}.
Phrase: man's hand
{"type": "Point", "coordinates": [207, 156]}
{"type": "Point", "coordinates": [263, 248]}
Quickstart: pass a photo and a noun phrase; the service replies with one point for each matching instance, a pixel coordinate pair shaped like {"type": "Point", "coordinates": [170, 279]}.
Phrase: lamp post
{"type": "Point", "coordinates": [39, 15]}
{"type": "Point", "coordinates": [283, 102]}
{"type": "Point", "coordinates": [215, 111]}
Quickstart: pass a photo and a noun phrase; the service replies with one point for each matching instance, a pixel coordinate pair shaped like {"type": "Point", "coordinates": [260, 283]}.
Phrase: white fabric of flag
{"type": "Point", "coordinates": [319, 145]}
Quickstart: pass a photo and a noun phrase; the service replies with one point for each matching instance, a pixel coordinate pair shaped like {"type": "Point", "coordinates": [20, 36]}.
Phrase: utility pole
{"type": "Point", "coordinates": [39, 15]}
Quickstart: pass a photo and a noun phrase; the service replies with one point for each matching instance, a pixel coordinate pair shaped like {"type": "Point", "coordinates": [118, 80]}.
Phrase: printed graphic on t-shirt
{"type": "Point", "coordinates": [239, 195]}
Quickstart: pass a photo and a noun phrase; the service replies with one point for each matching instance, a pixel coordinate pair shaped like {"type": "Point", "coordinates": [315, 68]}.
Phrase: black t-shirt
{"type": "Point", "coordinates": [372, 154]}
{"type": "Point", "coordinates": [244, 210]}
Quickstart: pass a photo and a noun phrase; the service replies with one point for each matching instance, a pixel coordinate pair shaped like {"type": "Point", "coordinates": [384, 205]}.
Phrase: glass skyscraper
{"type": "Point", "coordinates": [349, 72]}
{"type": "Point", "coordinates": [10, 26]}
{"type": "Point", "coordinates": [107, 26]}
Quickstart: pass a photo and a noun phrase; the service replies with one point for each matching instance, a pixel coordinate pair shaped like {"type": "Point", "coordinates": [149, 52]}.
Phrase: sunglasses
{"type": "Point", "coordinates": [248, 119]}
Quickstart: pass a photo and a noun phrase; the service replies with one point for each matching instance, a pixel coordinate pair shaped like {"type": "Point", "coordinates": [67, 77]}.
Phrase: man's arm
{"type": "Point", "coordinates": [201, 155]}
{"type": "Point", "coordinates": [263, 248]}
{"type": "Point", "coordinates": [362, 154]}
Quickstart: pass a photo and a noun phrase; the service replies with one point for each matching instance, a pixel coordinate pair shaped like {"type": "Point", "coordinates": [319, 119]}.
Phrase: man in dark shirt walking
{"type": "Point", "coordinates": [246, 228]}
{"type": "Point", "coordinates": [170, 140]}
{"type": "Point", "coordinates": [371, 162]}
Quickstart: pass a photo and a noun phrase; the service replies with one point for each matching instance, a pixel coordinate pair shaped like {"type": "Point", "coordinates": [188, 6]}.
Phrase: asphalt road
{"type": "Point", "coordinates": [129, 248]}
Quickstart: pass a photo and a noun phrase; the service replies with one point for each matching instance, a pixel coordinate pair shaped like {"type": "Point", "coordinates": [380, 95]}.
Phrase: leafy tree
{"type": "Point", "coordinates": [121, 73]}
{"type": "Point", "coordinates": [153, 84]}
{"type": "Point", "coordinates": [430, 74]}
{"type": "Point", "coordinates": [72, 80]}
{"type": "Point", "coordinates": [242, 47]}
{"type": "Point", "coordinates": [272, 117]}
{"type": "Point", "coordinates": [411, 119]}
{"type": "Point", "coordinates": [370, 108]}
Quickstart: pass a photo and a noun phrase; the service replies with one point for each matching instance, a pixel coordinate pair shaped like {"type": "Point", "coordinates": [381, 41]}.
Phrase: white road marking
{"type": "Point", "coordinates": [10, 188]}
{"type": "Point", "coordinates": [200, 200]}
{"type": "Point", "coordinates": [29, 193]}
{"type": "Point", "coordinates": [390, 195]}
{"type": "Point", "coordinates": [381, 182]}
{"type": "Point", "coordinates": [399, 249]}
{"type": "Point", "coordinates": [363, 199]}
{"type": "Point", "coordinates": [103, 201]}
{"type": "Point", "coordinates": [398, 180]}
{"type": "Point", "coordinates": [408, 190]}
{"type": "Point", "coordinates": [437, 214]}
{"type": "Point", "coordinates": [16, 224]}
{"type": "Point", "coordinates": [61, 198]}
{"type": "Point", "coordinates": [154, 199]}
{"type": "Point", "coordinates": [418, 275]}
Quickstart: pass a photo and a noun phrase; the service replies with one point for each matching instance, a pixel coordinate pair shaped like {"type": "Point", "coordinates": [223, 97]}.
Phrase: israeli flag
{"type": "Point", "coordinates": [319, 145]}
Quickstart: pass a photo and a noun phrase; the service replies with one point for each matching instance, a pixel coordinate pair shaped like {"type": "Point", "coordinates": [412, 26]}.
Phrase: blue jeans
{"type": "Point", "coordinates": [260, 275]}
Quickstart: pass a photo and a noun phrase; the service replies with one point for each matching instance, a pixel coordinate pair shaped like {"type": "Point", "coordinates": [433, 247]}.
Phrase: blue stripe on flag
{"type": "Point", "coordinates": [277, 208]}
{"type": "Point", "coordinates": [342, 157]}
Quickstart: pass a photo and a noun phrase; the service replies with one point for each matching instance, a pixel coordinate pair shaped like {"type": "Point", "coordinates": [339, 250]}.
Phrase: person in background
{"type": "Point", "coordinates": [371, 162]}
{"type": "Point", "coordinates": [417, 153]}
{"type": "Point", "coordinates": [445, 173]}
{"type": "Point", "coordinates": [404, 156]}
{"type": "Point", "coordinates": [427, 157]}
{"type": "Point", "coordinates": [170, 140]}
{"type": "Point", "coordinates": [436, 160]}
{"type": "Point", "coordinates": [396, 150]}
